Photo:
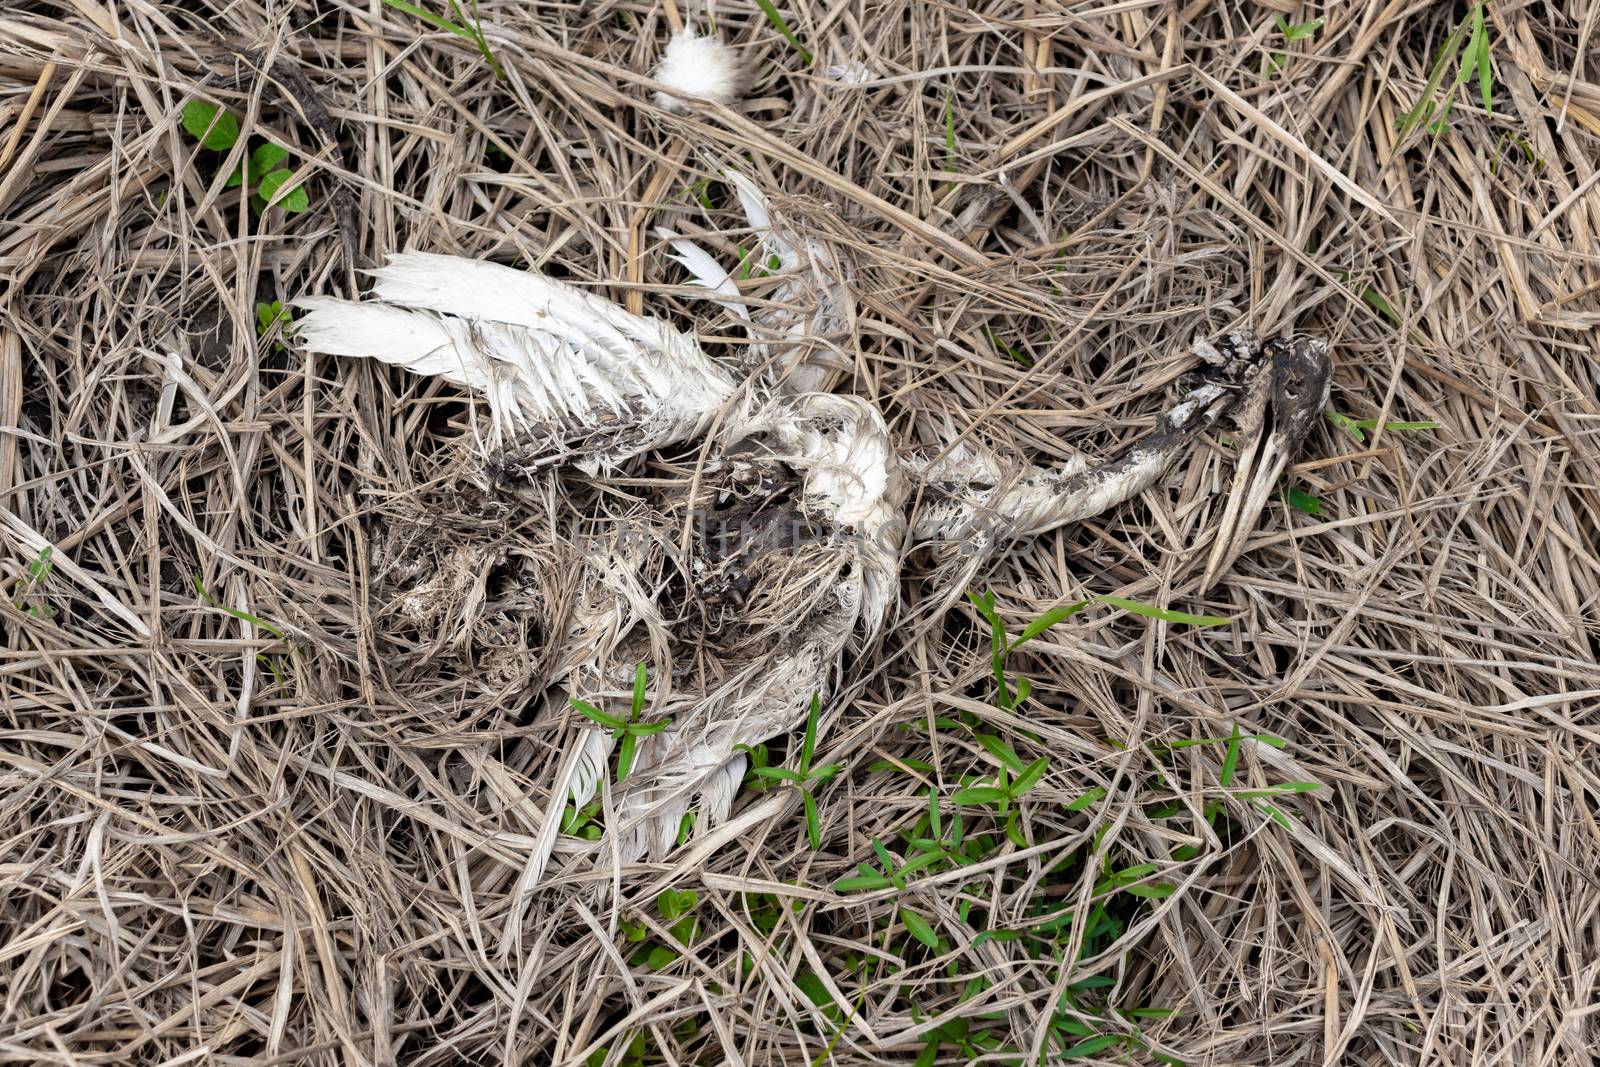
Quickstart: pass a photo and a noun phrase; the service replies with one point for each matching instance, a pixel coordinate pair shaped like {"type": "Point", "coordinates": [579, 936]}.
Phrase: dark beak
{"type": "Point", "coordinates": [1282, 401]}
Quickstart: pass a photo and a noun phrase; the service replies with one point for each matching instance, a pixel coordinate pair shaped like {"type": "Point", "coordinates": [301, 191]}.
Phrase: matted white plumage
{"type": "Point", "coordinates": [798, 513]}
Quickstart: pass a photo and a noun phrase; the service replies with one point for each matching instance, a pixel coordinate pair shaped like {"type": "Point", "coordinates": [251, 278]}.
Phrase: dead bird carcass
{"type": "Point", "coordinates": [743, 570]}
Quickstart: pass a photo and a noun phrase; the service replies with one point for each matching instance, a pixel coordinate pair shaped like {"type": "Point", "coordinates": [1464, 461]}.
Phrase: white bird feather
{"type": "Point", "coordinates": [706, 271]}
{"type": "Point", "coordinates": [696, 66]}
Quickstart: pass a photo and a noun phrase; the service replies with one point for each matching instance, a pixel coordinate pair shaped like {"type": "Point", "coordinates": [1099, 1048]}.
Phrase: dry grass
{"type": "Point", "coordinates": [225, 845]}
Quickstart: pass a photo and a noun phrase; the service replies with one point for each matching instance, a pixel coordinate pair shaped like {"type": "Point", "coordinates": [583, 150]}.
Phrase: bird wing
{"type": "Point", "coordinates": [566, 374]}
{"type": "Point", "coordinates": [1273, 391]}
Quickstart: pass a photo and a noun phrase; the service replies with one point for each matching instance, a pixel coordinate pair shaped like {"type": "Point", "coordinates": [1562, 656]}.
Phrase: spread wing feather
{"type": "Point", "coordinates": [566, 373]}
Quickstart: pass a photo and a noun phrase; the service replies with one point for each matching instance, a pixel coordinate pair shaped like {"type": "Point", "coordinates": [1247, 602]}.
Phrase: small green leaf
{"type": "Point", "coordinates": [211, 125]}
{"type": "Point", "coordinates": [1280, 790]}
{"type": "Point", "coordinates": [1001, 751]}
{"type": "Point", "coordinates": [588, 710]}
{"type": "Point", "coordinates": [1161, 613]}
{"type": "Point", "coordinates": [901, 765]}
{"type": "Point", "coordinates": [813, 824]}
{"type": "Point", "coordinates": [625, 753]}
{"type": "Point", "coordinates": [1230, 758]}
{"type": "Point", "coordinates": [1475, 44]}
{"type": "Point", "coordinates": [39, 568]}
{"type": "Point", "coordinates": [919, 928]}
{"type": "Point", "coordinates": [673, 904]}
{"type": "Point", "coordinates": [984, 604]}
{"type": "Point", "coordinates": [264, 159]}
{"type": "Point", "coordinates": [242, 616]}
{"type": "Point", "coordinates": [777, 774]}
{"type": "Point", "coordinates": [1024, 690]}
{"type": "Point", "coordinates": [861, 881]}
{"type": "Point", "coordinates": [235, 179]}
{"type": "Point", "coordinates": [1485, 74]}
{"type": "Point", "coordinates": [1298, 31]}
{"type": "Point", "coordinates": [1301, 500]}
{"type": "Point", "coordinates": [1092, 796]}
{"type": "Point", "coordinates": [660, 957]}
{"type": "Point", "coordinates": [295, 200]}
{"type": "Point", "coordinates": [978, 794]}
{"type": "Point", "coordinates": [1047, 620]}
{"type": "Point", "coordinates": [1092, 1046]}
{"type": "Point", "coordinates": [269, 314]}
{"type": "Point", "coordinates": [638, 689]}
{"type": "Point", "coordinates": [809, 745]}
{"type": "Point", "coordinates": [430, 18]}
{"type": "Point", "coordinates": [782, 27]}
{"type": "Point", "coordinates": [927, 859]}
{"type": "Point", "coordinates": [1275, 814]}
{"type": "Point", "coordinates": [1030, 776]}
{"type": "Point", "coordinates": [1348, 425]}
{"type": "Point", "coordinates": [1153, 892]}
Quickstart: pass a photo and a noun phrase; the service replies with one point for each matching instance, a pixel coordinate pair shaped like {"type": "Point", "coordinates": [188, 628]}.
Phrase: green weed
{"type": "Point", "coordinates": [627, 732]}
{"type": "Point", "coordinates": [270, 315]}
{"type": "Point", "coordinates": [1474, 60]}
{"type": "Point", "coordinates": [267, 182]}
{"type": "Point", "coordinates": [272, 664]}
{"type": "Point", "coordinates": [39, 569]}
{"type": "Point", "coordinates": [778, 23]}
{"type": "Point", "coordinates": [806, 777]}
{"type": "Point", "coordinates": [1292, 32]}
{"type": "Point", "coordinates": [1357, 428]}
{"type": "Point", "coordinates": [469, 29]}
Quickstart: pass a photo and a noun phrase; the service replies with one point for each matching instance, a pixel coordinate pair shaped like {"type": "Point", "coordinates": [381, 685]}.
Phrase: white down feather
{"type": "Point", "coordinates": [698, 66]}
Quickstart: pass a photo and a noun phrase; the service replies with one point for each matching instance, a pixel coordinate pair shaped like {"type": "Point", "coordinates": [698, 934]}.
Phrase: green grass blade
{"type": "Point", "coordinates": [630, 745]}
{"type": "Point", "coordinates": [1162, 613]}
{"type": "Point", "coordinates": [242, 616]}
{"type": "Point", "coordinates": [813, 823]}
{"type": "Point", "coordinates": [1030, 776]}
{"type": "Point", "coordinates": [778, 23]}
{"type": "Point", "coordinates": [1001, 751]}
{"type": "Point", "coordinates": [436, 21]}
{"type": "Point", "coordinates": [1092, 796]}
{"type": "Point", "coordinates": [1424, 107]}
{"type": "Point", "coordinates": [1230, 758]}
{"type": "Point", "coordinates": [1046, 621]}
{"type": "Point", "coordinates": [1485, 73]}
{"type": "Point", "coordinates": [809, 745]}
{"type": "Point", "coordinates": [638, 689]}
{"type": "Point", "coordinates": [588, 710]}
{"type": "Point", "coordinates": [862, 881]}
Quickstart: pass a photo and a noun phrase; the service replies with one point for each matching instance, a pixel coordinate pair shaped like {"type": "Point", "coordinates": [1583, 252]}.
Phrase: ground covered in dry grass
{"type": "Point", "coordinates": [249, 816]}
